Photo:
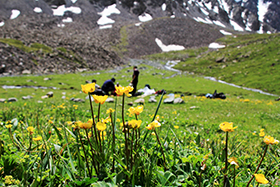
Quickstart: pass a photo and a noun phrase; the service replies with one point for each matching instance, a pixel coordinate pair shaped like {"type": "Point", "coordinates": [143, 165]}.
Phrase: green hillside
{"type": "Point", "coordinates": [247, 60]}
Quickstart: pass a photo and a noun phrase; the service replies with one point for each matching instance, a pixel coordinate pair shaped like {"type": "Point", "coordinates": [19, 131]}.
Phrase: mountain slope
{"type": "Point", "coordinates": [94, 34]}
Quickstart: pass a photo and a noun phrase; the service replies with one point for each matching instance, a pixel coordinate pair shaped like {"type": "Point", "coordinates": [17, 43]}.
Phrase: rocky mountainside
{"type": "Point", "coordinates": [56, 36]}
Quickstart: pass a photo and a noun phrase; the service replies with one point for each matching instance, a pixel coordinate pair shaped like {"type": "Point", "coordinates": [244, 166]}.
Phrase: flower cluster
{"type": "Point", "coordinates": [124, 90]}
{"type": "Point", "coordinates": [136, 110]}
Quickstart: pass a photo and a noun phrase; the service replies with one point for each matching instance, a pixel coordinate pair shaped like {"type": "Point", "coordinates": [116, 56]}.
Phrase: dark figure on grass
{"type": "Point", "coordinates": [108, 86]}
{"type": "Point", "coordinates": [97, 90]}
{"type": "Point", "coordinates": [134, 80]}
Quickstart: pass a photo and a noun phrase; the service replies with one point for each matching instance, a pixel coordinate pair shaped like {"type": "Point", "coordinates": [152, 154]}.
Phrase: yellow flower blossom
{"type": "Point", "coordinates": [176, 126]}
{"type": "Point", "coordinates": [88, 88]}
{"type": "Point", "coordinates": [101, 126]}
{"type": "Point", "coordinates": [30, 129]}
{"type": "Point", "coordinates": [86, 125]}
{"type": "Point", "coordinates": [153, 125]}
{"type": "Point", "coordinates": [261, 133]}
{"type": "Point", "coordinates": [118, 120]}
{"type": "Point", "coordinates": [107, 120]}
{"type": "Point", "coordinates": [136, 110]}
{"type": "Point", "coordinates": [270, 140]}
{"type": "Point", "coordinates": [8, 126]}
{"type": "Point", "coordinates": [38, 138]}
{"type": "Point", "coordinates": [110, 110]}
{"type": "Point", "coordinates": [233, 161]}
{"type": "Point", "coordinates": [260, 178]}
{"type": "Point", "coordinates": [134, 124]}
{"type": "Point", "coordinates": [100, 99]}
{"type": "Point", "coordinates": [124, 90]}
{"type": "Point", "coordinates": [227, 127]}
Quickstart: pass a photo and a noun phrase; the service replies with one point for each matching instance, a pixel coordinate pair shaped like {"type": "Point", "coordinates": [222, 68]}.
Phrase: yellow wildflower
{"type": "Point", "coordinates": [110, 110]}
{"type": "Point", "coordinates": [176, 126]}
{"type": "Point", "coordinates": [233, 161]}
{"type": "Point", "coordinates": [8, 126]}
{"type": "Point", "coordinates": [135, 124]}
{"type": "Point", "coordinates": [30, 129]}
{"type": "Point", "coordinates": [88, 88]}
{"type": "Point", "coordinates": [270, 140]}
{"type": "Point", "coordinates": [107, 120]}
{"type": "Point", "coordinates": [100, 99]}
{"type": "Point", "coordinates": [136, 110]}
{"type": "Point", "coordinates": [86, 125]}
{"type": "Point", "coordinates": [153, 125]}
{"type": "Point", "coordinates": [260, 178]}
{"type": "Point", "coordinates": [261, 133]}
{"type": "Point", "coordinates": [38, 138]}
{"type": "Point", "coordinates": [124, 90]}
{"type": "Point", "coordinates": [101, 126]}
{"type": "Point", "coordinates": [227, 127]}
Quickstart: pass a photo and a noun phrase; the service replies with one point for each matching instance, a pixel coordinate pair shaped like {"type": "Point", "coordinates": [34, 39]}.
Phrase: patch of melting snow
{"type": "Point", "coordinates": [67, 20]}
{"type": "Point", "coordinates": [105, 26]}
{"type": "Point", "coordinates": [225, 32]}
{"type": "Point", "coordinates": [166, 48]}
{"type": "Point", "coordinates": [59, 11]}
{"type": "Point", "coordinates": [15, 14]}
{"type": "Point", "coordinates": [37, 10]}
{"type": "Point", "coordinates": [145, 17]}
{"type": "Point", "coordinates": [2, 23]}
{"type": "Point", "coordinates": [216, 46]}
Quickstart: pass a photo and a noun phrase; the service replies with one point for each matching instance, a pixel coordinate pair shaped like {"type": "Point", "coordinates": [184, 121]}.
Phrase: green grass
{"type": "Point", "coordinates": [32, 48]}
{"type": "Point", "coordinates": [189, 132]}
{"type": "Point", "coordinates": [248, 60]}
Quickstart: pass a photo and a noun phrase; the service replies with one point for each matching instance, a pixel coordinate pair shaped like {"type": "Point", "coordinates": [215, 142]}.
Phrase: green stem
{"type": "Point", "coordinates": [113, 126]}
{"type": "Point", "coordinates": [89, 171]}
{"type": "Point", "coordinates": [258, 165]}
{"type": "Point", "coordinates": [161, 149]}
{"type": "Point", "coordinates": [131, 151]}
{"type": "Point", "coordinates": [92, 154]}
{"type": "Point", "coordinates": [226, 160]}
{"type": "Point", "coordinates": [125, 133]}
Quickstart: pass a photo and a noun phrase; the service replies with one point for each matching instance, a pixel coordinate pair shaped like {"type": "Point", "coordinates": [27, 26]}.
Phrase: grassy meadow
{"type": "Point", "coordinates": [58, 142]}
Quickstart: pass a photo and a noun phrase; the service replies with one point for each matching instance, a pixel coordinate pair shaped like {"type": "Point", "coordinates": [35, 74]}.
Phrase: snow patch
{"type": "Point", "coordinates": [138, 24]}
{"type": "Point", "coordinates": [166, 48]}
{"type": "Point", "coordinates": [104, 20]}
{"type": "Point", "coordinates": [37, 10]}
{"type": "Point", "coordinates": [2, 23]}
{"type": "Point", "coordinates": [225, 32]}
{"type": "Point", "coordinates": [15, 14]}
{"type": "Point", "coordinates": [67, 20]}
{"type": "Point", "coordinates": [163, 7]}
{"type": "Point", "coordinates": [216, 46]}
{"type": "Point", "coordinates": [145, 17]}
{"type": "Point", "coordinates": [219, 23]}
{"type": "Point", "coordinates": [74, 1]}
{"type": "Point", "coordinates": [112, 9]}
{"type": "Point", "coordinates": [62, 9]}
{"type": "Point", "coordinates": [236, 26]}
{"type": "Point", "coordinates": [105, 26]}
{"type": "Point", "coordinates": [61, 25]}
{"type": "Point", "coordinates": [262, 9]}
